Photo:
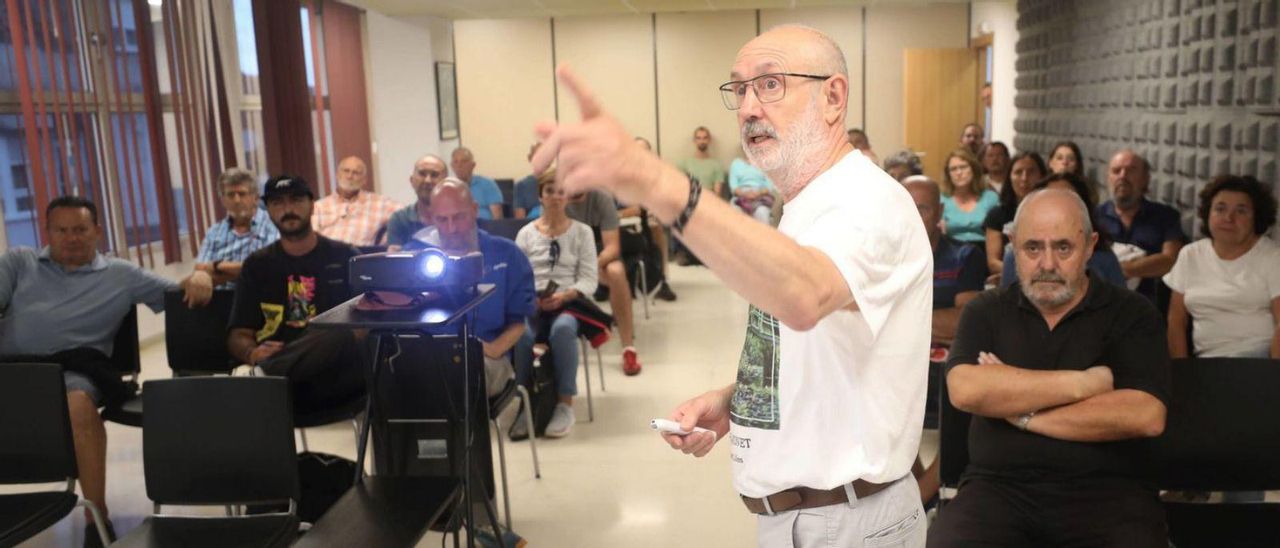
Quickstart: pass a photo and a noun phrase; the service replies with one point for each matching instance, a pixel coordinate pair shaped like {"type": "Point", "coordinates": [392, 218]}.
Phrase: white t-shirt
{"type": "Point", "coordinates": [1229, 301]}
{"type": "Point", "coordinates": [844, 400]}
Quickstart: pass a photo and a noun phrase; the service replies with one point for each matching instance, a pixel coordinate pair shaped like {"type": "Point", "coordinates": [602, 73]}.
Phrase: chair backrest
{"type": "Point", "coordinates": [953, 437]}
{"type": "Point", "coordinates": [35, 429]}
{"type": "Point", "coordinates": [508, 188]}
{"type": "Point", "coordinates": [126, 354]}
{"type": "Point", "coordinates": [1222, 432]}
{"type": "Point", "coordinates": [219, 440]}
{"type": "Point", "coordinates": [504, 228]}
{"type": "Point", "coordinates": [196, 338]}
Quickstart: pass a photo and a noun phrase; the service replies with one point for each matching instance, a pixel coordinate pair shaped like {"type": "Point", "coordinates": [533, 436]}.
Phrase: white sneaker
{"type": "Point", "coordinates": [561, 421]}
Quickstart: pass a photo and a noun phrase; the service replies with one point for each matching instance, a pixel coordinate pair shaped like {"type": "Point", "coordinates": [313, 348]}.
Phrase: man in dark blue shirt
{"type": "Point", "coordinates": [1129, 218]}
{"type": "Point", "coordinates": [959, 273]}
{"type": "Point", "coordinates": [499, 319]}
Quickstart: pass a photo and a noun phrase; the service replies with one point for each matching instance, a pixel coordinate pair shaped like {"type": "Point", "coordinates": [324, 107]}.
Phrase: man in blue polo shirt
{"type": "Point", "coordinates": [63, 304]}
{"type": "Point", "coordinates": [1130, 218]}
{"type": "Point", "coordinates": [959, 273]}
{"type": "Point", "coordinates": [483, 189]}
{"type": "Point", "coordinates": [247, 228]}
{"type": "Point", "coordinates": [500, 319]}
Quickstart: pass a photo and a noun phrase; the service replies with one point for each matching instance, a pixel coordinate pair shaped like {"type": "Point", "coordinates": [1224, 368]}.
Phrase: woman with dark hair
{"type": "Point", "coordinates": [1066, 158]}
{"type": "Point", "coordinates": [965, 202]}
{"type": "Point", "coordinates": [1228, 283]}
{"type": "Point", "coordinates": [1102, 262]}
{"type": "Point", "coordinates": [1028, 168]}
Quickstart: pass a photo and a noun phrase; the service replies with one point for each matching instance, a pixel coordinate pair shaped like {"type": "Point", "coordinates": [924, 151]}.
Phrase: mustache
{"type": "Point", "coordinates": [757, 127]}
{"type": "Point", "coordinates": [1046, 276]}
{"type": "Point", "coordinates": [290, 217]}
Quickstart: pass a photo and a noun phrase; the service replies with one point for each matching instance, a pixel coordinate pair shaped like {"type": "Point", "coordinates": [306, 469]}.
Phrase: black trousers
{"type": "Point", "coordinates": [1094, 513]}
{"type": "Point", "coordinates": [325, 368]}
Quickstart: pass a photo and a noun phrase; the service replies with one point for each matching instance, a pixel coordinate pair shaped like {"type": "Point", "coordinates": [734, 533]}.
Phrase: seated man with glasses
{"type": "Point", "coordinates": [562, 252]}
{"type": "Point", "coordinates": [428, 171]}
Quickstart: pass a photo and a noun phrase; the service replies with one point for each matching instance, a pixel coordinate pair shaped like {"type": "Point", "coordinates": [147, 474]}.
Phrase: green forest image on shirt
{"type": "Point", "coordinates": [755, 399]}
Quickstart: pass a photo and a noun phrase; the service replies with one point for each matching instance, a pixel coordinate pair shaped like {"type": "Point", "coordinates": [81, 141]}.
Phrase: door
{"type": "Point", "coordinates": [940, 88]}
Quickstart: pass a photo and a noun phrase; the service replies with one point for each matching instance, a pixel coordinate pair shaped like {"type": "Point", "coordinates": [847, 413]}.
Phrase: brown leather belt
{"type": "Point", "coordinates": [800, 498]}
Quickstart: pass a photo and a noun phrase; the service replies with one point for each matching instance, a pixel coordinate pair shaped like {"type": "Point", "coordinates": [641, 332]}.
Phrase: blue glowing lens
{"type": "Point", "coordinates": [433, 267]}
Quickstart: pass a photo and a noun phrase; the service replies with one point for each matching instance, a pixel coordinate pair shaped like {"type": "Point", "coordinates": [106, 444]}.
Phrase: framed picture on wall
{"type": "Point", "coordinates": [447, 100]}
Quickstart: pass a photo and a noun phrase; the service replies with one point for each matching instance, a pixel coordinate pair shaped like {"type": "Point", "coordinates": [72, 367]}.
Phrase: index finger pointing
{"type": "Point", "coordinates": [587, 103]}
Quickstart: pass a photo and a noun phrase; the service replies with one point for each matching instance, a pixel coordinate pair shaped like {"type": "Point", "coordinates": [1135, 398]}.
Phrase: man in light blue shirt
{"type": "Point", "coordinates": [483, 189]}
{"type": "Point", "coordinates": [246, 229]}
{"type": "Point", "coordinates": [63, 304]}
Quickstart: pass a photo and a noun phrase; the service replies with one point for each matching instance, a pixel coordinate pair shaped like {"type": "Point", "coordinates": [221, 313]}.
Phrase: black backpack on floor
{"type": "Point", "coordinates": [542, 393]}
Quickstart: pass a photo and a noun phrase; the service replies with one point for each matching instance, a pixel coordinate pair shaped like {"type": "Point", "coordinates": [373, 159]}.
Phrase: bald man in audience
{"type": "Point", "coordinates": [1066, 377]}
{"type": "Point", "coordinates": [959, 273]}
{"type": "Point", "coordinates": [483, 189]}
{"type": "Point", "coordinates": [428, 171]}
{"type": "Point", "coordinates": [1146, 235]}
{"type": "Point", "coordinates": [823, 421]}
{"type": "Point", "coordinates": [352, 215]}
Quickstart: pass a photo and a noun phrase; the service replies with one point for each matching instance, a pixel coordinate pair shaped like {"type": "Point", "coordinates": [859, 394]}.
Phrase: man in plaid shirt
{"type": "Point", "coordinates": [352, 215]}
{"type": "Point", "coordinates": [246, 229]}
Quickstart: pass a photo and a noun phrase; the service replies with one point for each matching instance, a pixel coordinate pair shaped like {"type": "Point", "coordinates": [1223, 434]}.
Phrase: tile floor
{"type": "Point", "coordinates": [612, 483]}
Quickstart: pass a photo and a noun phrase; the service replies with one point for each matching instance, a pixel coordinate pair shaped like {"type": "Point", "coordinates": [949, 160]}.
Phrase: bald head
{"type": "Point", "coordinates": [791, 118]}
{"type": "Point", "coordinates": [805, 46]}
{"type": "Point", "coordinates": [454, 214]}
{"type": "Point", "coordinates": [1128, 176]}
{"type": "Point", "coordinates": [463, 163]}
{"type": "Point", "coordinates": [428, 171]}
{"type": "Point", "coordinates": [351, 175]}
{"type": "Point", "coordinates": [1053, 240]}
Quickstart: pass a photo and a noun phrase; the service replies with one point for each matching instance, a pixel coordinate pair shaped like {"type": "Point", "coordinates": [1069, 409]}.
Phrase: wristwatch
{"type": "Point", "coordinates": [216, 264]}
{"type": "Point", "coordinates": [1025, 420]}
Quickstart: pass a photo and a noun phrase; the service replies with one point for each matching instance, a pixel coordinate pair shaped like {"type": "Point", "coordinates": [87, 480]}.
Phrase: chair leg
{"type": "Point", "coordinates": [600, 368]}
{"type": "Point", "coordinates": [586, 368]}
{"type": "Point", "coordinates": [528, 423]}
{"type": "Point", "coordinates": [644, 288]}
{"type": "Point", "coordinates": [303, 432]}
{"type": "Point", "coordinates": [98, 522]}
{"type": "Point", "coordinates": [502, 463]}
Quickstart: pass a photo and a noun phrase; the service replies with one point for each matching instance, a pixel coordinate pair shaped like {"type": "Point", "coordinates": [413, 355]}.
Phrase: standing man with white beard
{"type": "Point", "coordinates": [352, 215]}
{"type": "Point", "coordinates": [826, 411]}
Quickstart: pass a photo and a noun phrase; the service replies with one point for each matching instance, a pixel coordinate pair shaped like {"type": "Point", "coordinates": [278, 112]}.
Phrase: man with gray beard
{"type": "Point", "coordinates": [1066, 377]}
{"type": "Point", "coordinates": [824, 419]}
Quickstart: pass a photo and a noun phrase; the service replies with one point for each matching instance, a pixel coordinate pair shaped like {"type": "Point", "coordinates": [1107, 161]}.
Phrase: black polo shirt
{"type": "Point", "coordinates": [1111, 326]}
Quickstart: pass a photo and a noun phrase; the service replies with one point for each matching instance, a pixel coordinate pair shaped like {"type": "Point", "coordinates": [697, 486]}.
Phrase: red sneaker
{"type": "Point", "coordinates": [630, 362]}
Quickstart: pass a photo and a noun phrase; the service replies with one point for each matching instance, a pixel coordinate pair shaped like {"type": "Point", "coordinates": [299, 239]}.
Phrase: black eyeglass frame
{"type": "Point", "coordinates": [733, 102]}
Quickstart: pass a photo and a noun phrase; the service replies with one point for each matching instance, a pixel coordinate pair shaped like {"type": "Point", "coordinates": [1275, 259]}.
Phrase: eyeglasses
{"type": "Point", "coordinates": [769, 88]}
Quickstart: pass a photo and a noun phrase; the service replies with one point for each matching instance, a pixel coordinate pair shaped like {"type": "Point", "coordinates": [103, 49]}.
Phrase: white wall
{"type": "Point", "coordinates": [1001, 19]}
{"type": "Point", "coordinates": [402, 97]}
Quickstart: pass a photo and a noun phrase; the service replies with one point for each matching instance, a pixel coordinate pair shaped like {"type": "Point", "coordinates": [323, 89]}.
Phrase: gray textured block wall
{"type": "Point", "coordinates": [1189, 84]}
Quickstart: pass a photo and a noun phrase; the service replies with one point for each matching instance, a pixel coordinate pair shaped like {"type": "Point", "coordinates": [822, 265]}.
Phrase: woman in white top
{"type": "Point", "coordinates": [562, 252]}
{"type": "Point", "coordinates": [1229, 283]}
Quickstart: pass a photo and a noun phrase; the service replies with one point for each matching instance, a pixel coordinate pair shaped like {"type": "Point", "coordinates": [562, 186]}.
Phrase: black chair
{"type": "Point", "coordinates": [196, 338]}
{"type": "Point", "coordinates": [126, 357]}
{"type": "Point", "coordinates": [218, 441]}
{"type": "Point", "coordinates": [953, 440]}
{"type": "Point", "coordinates": [508, 188]}
{"type": "Point", "coordinates": [36, 447]}
{"type": "Point", "coordinates": [504, 228]}
{"type": "Point", "coordinates": [1221, 434]}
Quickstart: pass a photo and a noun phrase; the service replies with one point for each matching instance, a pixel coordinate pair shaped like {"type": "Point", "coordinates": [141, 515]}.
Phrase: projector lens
{"type": "Point", "coordinates": [433, 267]}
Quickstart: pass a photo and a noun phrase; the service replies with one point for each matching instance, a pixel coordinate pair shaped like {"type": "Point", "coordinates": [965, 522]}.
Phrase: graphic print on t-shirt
{"type": "Point", "coordinates": [755, 398]}
{"type": "Point", "coordinates": [272, 314]}
{"type": "Point", "coordinates": [301, 308]}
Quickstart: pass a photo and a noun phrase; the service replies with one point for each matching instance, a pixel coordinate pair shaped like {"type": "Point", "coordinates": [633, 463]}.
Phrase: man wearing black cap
{"type": "Point", "coordinates": [283, 286]}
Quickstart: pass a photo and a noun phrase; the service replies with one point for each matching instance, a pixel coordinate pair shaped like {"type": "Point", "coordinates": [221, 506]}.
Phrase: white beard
{"type": "Point", "coordinates": [794, 155]}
